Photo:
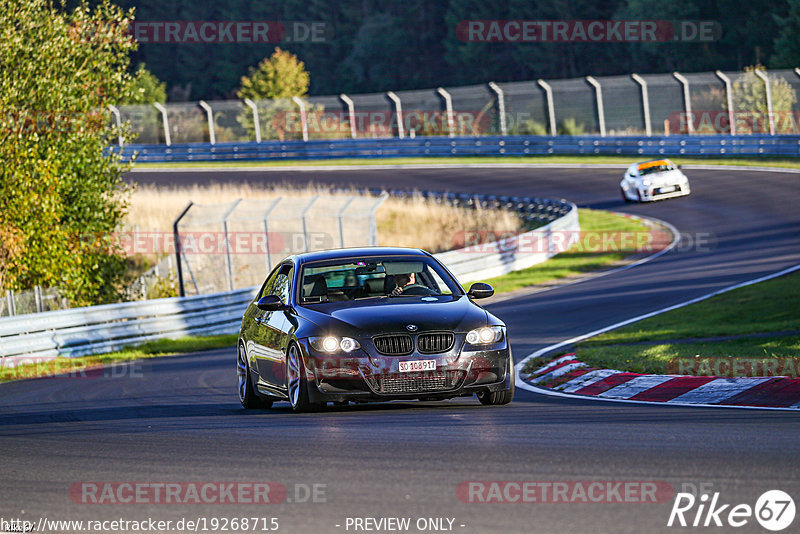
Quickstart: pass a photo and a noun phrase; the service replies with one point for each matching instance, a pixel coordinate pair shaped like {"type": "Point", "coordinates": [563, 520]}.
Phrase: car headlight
{"type": "Point", "coordinates": [485, 336]}
{"type": "Point", "coordinates": [334, 344]}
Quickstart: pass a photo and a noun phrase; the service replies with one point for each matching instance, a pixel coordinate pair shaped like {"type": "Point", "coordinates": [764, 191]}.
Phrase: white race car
{"type": "Point", "coordinates": [653, 180]}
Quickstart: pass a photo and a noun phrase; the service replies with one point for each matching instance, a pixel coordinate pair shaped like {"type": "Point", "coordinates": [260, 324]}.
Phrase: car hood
{"type": "Point", "coordinates": [383, 315]}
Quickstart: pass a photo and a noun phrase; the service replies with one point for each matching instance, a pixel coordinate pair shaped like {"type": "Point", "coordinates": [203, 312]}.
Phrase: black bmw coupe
{"type": "Point", "coordinates": [369, 324]}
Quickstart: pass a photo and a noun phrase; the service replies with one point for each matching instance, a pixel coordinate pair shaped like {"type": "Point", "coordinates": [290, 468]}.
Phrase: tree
{"type": "Point", "coordinates": [272, 84]}
{"type": "Point", "coordinates": [750, 100]}
{"type": "Point", "coordinates": [61, 191]}
{"type": "Point", "coordinates": [787, 44]}
{"type": "Point", "coordinates": [281, 75]}
{"type": "Point", "coordinates": [145, 88]}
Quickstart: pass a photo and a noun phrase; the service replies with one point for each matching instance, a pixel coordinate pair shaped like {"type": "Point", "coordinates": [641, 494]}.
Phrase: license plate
{"type": "Point", "coordinates": [666, 189]}
{"type": "Point", "coordinates": [417, 365]}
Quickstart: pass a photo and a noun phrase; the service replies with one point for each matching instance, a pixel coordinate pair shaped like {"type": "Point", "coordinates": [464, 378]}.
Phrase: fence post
{"type": "Point", "coordinates": [373, 223]}
{"type": "Point", "coordinates": [265, 218]}
{"type": "Point", "coordinates": [37, 297]}
{"type": "Point", "coordinates": [601, 116]}
{"type": "Point", "coordinates": [729, 98]}
{"type": "Point", "coordinates": [118, 121]}
{"type": "Point", "coordinates": [687, 101]}
{"type": "Point", "coordinates": [763, 75]}
{"type": "Point", "coordinates": [252, 106]}
{"type": "Point", "coordinates": [228, 259]}
{"type": "Point", "coordinates": [351, 113]}
{"type": "Point", "coordinates": [178, 247]}
{"type": "Point", "coordinates": [448, 106]}
{"type": "Point", "coordinates": [209, 114]}
{"type": "Point", "coordinates": [398, 108]}
{"type": "Point", "coordinates": [303, 118]}
{"type": "Point", "coordinates": [645, 103]}
{"type": "Point", "coordinates": [303, 217]}
{"type": "Point", "coordinates": [501, 107]}
{"type": "Point", "coordinates": [339, 216]}
{"type": "Point", "coordinates": [12, 305]}
{"type": "Point", "coordinates": [165, 122]}
{"type": "Point", "coordinates": [551, 110]}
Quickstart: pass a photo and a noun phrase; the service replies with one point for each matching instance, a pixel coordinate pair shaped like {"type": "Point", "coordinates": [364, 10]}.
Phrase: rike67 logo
{"type": "Point", "coordinates": [774, 510]}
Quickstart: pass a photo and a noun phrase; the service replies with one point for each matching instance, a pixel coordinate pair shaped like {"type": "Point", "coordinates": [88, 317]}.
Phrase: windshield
{"type": "Point", "coordinates": [331, 281]}
{"type": "Point", "coordinates": [655, 167]}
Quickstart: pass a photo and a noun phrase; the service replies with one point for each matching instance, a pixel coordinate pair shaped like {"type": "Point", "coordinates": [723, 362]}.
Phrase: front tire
{"type": "Point", "coordinates": [496, 398]}
{"type": "Point", "coordinates": [247, 394]}
{"type": "Point", "coordinates": [624, 196]}
{"type": "Point", "coordinates": [297, 382]}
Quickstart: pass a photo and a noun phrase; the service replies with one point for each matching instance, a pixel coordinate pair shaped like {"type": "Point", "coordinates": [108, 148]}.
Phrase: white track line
{"type": "Point", "coordinates": [522, 384]}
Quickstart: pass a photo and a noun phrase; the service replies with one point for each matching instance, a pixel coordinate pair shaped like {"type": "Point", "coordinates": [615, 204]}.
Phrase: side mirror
{"type": "Point", "coordinates": [480, 290]}
{"type": "Point", "coordinates": [270, 303]}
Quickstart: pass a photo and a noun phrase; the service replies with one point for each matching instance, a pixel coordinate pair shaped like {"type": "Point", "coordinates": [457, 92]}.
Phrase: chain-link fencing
{"type": "Point", "coordinates": [234, 245]}
{"type": "Point", "coordinates": [652, 104]}
{"type": "Point", "coordinates": [34, 300]}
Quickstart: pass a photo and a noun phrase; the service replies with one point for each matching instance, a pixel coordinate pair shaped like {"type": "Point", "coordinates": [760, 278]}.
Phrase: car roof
{"type": "Point", "coordinates": [355, 253]}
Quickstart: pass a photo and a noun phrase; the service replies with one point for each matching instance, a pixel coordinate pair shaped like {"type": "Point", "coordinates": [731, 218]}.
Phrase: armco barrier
{"type": "Point", "coordinates": [511, 254]}
{"type": "Point", "coordinates": [99, 329]}
{"type": "Point", "coordinates": [110, 327]}
{"type": "Point", "coordinates": [530, 145]}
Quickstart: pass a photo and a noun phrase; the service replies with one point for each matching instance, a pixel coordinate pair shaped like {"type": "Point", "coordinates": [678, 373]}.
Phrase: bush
{"type": "Point", "coordinates": [62, 192]}
{"type": "Point", "coordinates": [571, 127]}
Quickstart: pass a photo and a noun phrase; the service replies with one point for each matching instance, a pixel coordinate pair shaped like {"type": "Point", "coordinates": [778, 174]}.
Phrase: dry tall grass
{"type": "Point", "coordinates": [412, 222]}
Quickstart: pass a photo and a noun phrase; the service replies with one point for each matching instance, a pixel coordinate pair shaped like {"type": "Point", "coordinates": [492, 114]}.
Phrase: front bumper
{"type": "Point", "coordinates": [367, 375]}
{"type": "Point", "coordinates": [661, 192]}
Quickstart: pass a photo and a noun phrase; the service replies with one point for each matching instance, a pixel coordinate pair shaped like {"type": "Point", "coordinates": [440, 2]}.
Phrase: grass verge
{"type": "Point", "coordinates": [763, 320]}
{"type": "Point", "coordinates": [788, 163]}
{"type": "Point", "coordinates": [151, 349]}
{"type": "Point", "coordinates": [581, 258]}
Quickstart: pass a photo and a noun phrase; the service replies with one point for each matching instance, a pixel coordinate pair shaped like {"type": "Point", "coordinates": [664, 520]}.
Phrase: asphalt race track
{"type": "Point", "coordinates": [178, 419]}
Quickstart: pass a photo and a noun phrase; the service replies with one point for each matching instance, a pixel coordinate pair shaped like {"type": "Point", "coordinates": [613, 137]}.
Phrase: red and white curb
{"type": "Point", "coordinates": [569, 375]}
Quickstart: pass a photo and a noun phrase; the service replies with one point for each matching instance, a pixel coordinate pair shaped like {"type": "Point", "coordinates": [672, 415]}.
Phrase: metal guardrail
{"type": "Point", "coordinates": [522, 145]}
{"type": "Point", "coordinates": [99, 329]}
{"type": "Point", "coordinates": [513, 253]}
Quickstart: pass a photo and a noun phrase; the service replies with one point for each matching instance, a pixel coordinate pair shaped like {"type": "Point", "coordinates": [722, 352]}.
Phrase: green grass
{"type": "Point", "coordinates": [152, 349]}
{"type": "Point", "coordinates": [790, 163]}
{"type": "Point", "coordinates": [578, 259]}
{"type": "Point", "coordinates": [764, 308]}
{"type": "Point", "coordinates": [771, 306]}
{"type": "Point", "coordinates": [655, 359]}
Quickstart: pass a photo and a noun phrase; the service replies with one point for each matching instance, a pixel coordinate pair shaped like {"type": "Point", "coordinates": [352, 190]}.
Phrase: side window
{"type": "Point", "coordinates": [282, 283]}
{"type": "Point", "coordinates": [268, 283]}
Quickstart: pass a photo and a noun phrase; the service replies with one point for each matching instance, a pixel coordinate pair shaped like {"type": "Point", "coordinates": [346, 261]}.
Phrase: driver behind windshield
{"type": "Point", "coordinates": [402, 281]}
